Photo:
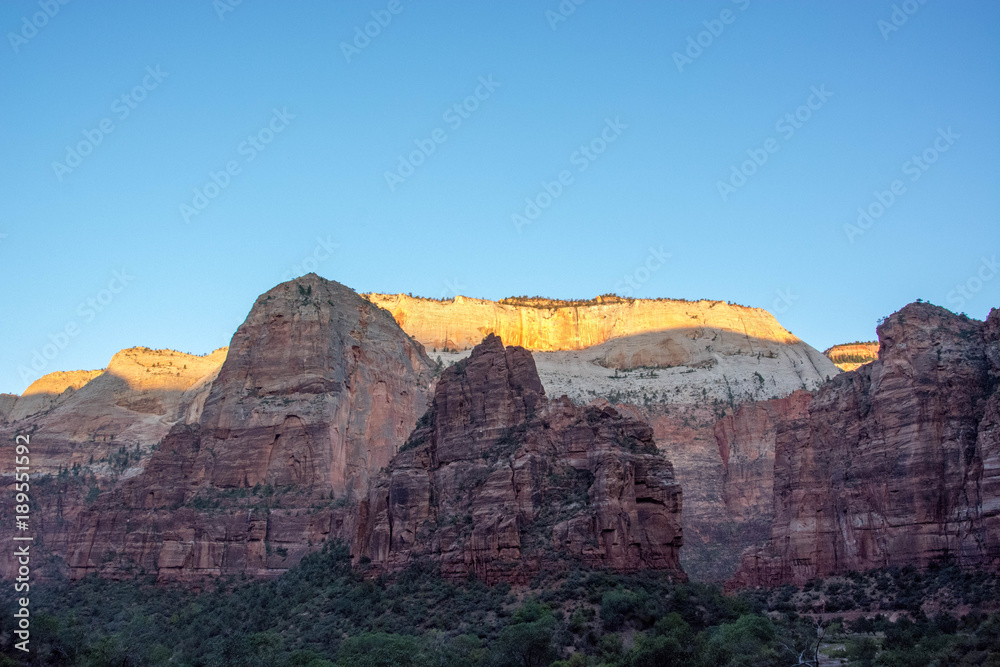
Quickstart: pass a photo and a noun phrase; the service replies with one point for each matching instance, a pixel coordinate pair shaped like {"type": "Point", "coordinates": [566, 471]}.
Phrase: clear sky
{"type": "Point", "coordinates": [693, 181]}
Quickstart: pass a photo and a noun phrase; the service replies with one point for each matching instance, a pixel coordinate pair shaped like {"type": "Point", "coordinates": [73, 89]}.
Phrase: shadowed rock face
{"type": "Point", "coordinates": [500, 482]}
{"type": "Point", "coordinates": [319, 388]}
{"type": "Point", "coordinates": [897, 462]}
{"type": "Point", "coordinates": [106, 422]}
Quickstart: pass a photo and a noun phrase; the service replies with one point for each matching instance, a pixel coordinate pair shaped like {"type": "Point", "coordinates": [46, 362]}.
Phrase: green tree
{"type": "Point", "coordinates": [527, 642]}
{"type": "Point", "coordinates": [377, 649]}
{"type": "Point", "coordinates": [749, 642]}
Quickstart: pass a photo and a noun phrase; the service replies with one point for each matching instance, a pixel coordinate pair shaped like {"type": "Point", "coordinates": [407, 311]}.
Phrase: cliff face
{"type": "Point", "coordinates": [107, 422]}
{"type": "Point", "coordinates": [851, 356]}
{"type": "Point", "coordinates": [7, 402]}
{"type": "Point", "coordinates": [544, 325]}
{"type": "Point", "coordinates": [318, 389]}
{"type": "Point", "coordinates": [746, 441]}
{"type": "Point", "coordinates": [724, 462]}
{"type": "Point", "coordinates": [500, 482]}
{"type": "Point", "coordinates": [48, 391]}
{"type": "Point", "coordinates": [897, 462]}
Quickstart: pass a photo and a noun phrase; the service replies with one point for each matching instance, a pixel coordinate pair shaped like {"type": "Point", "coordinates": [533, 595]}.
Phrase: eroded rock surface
{"type": "Point", "coordinates": [897, 462]}
{"type": "Point", "coordinates": [252, 468]}
{"type": "Point", "coordinates": [501, 482]}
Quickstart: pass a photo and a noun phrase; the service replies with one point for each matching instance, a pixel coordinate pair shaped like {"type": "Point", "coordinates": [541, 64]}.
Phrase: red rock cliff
{"type": "Point", "coordinates": [500, 482]}
{"type": "Point", "coordinates": [319, 389]}
{"type": "Point", "coordinates": [897, 462]}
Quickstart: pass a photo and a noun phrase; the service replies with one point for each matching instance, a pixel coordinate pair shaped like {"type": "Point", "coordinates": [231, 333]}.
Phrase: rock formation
{"type": "Point", "coordinates": [48, 391]}
{"type": "Point", "coordinates": [897, 462]}
{"type": "Point", "coordinates": [108, 421]}
{"type": "Point", "coordinates": [7, 402]}
{"type": "Point", "coordinates": [724, 462]}
{"type": "Point", "coordinates": [319, 389]}
{"type": "Point", "coordinates": [850, 356]}
{"type": "Point", "coordinates": [548, 325]}
{"type": "Point", "coordinates": [501, 482]}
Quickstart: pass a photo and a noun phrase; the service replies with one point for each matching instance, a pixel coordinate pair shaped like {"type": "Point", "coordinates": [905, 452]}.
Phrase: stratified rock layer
{"type": "Point", "coordinates": [897, 462]}
{"type": "Point", "coordinates": [319, 389]}
{"type": "Point", "coordinates": [546, 325]}
{"type": "Point", "coordinates": [48, 391]}
{"type": "Point", "coordinates": [500, 482]}
{"type": "Point", "coordinates": [105, 423]}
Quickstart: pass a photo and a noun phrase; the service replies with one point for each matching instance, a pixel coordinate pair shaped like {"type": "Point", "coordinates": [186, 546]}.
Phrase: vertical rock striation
{"type": "Point", "coordinates": [318, 390]}
{"type": "Point", "coordinates": [500, 482]}
{"type": "Point", "coordinates": [897, 462]}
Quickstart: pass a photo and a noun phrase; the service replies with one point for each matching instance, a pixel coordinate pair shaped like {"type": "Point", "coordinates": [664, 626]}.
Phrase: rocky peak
{"type": "Point", "coordinates": [850, 356]}
{"type": "Point", "coordinates": [479, 398]}
{"type": "Point", "coordinates": [499, 482]}
{"type": "Point", "coordinates": [318, 390]}
{"type": "Point", "coordinates": [319, 387]}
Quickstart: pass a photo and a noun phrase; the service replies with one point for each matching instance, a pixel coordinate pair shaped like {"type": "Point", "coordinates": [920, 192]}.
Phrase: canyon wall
{"type": "Point", "coordinates": [500, 482]}
{"type": "Point", "coordinates": [244, 469]}
{"type": "Point", "coordinates": [108, 421]}
{"type": "Point", "coordinates": [895, 463]}
{"type": "Point", "coordinates": [546, 325]}
{"type": "Point", "coordinates": [298, 417]}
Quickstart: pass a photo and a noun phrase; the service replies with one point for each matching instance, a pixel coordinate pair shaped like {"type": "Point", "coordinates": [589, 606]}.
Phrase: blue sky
{"type": "Point", "coordinates": [98, 242]}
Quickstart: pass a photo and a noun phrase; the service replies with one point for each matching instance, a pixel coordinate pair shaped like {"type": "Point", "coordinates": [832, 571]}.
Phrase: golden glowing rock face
{"type": "Point", "coordinates": [44, 392]}
{"type": "Point", "coordinates": [138, 378]}
{"type": "Point", "coordinates": [541, 325]}
{"type": "Point", "coordinates": [87, 418]}
{"type": "Point", "coordinates": [58, 382]}
{"type": "Point", "coordinates": [852, 355]}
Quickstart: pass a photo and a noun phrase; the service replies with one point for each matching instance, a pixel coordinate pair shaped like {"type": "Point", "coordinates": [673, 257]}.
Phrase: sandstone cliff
{"type": "Point", "coordinates": [724, 462]}
{"type": "Point", "coordinates": [680, 366]}
{"type": "Point", "coordinates": [547, 325]}
{"type": "Point", "coordinates": [850, 356]}
{"type": "Point", "coordinates": [897, 462]}
{"type": "Point", "coordinates": [295, 422]}
{"type": "Point", "coordinates": [501, 482]}
{"type": "Point", "coordinates": [48, 391]}
{"type": "Point", "coordinates": [319, 389]}
{"type": "Point", "coordinates": [106, 422]}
